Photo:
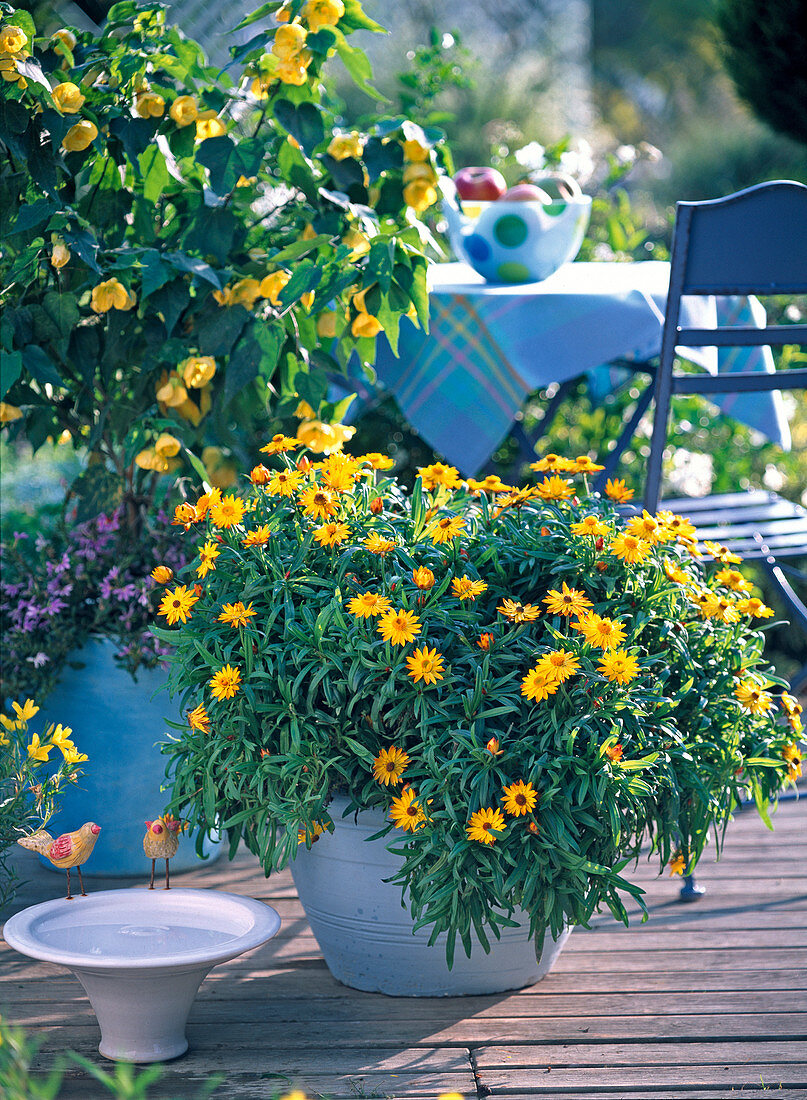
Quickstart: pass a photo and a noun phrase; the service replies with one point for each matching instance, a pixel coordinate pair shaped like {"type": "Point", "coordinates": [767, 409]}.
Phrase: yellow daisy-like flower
{"type": "Point", "coordinates": [568, 602]}
{"type": "Point", "coordinates": [439, 474]}
{"type": "Point", "coordinates": [491, 484]}
{"type": "Point", "coordinates": [733, 579]}
{"type": "Point", "coordinates": [466, 589]}
{"type": "Point", "coordinates": [446, 529]}
{"type": "Point", "coordinates": [236, 614]}
{"type": "Point", "coordinates": [228, 512]}
{"type": "Point", "coordinates": [630, 548]}
{"type": "Point", "coordinates": [406, 812]}
{"type": "Point", "coordinates": [675, 572]}
{"type": "Point", "coordinates": [279, 444]}
{"type": "Point", "coordinates": [304, 837]}
{"type": "Point", "coordinates": [339, 472]}
{"type": "Point", "coordinates": [376, 460]}
{"type": "Point", "coordinates": [176, 605]}
{"type": "Point", "coordinates": [616, 489]}
{"type": "Point", "coordinates": [584, 465]}
{"type": "Point", "coordinates": [399, 627]}
{"type": "Point", "coordinates": [207, 558]}
{"type": "Point", "coordinates": [318, 503]}
{"type": "Point", "coordinates": [425, 664]}
{"type": "Point", "coordinates": [677, 525]}
{"type": "Point", "coordinates": [618, 666]}
{"type": "Point", "coordinates": [753, 698]}
{"type": "Point", "coordinates": [793, 756]}
{"type": "Point", "coordinates": [377, 544]}
{"type": "Point", "coordinates": [790, 704]}
{"type": "Point", "coordinates": [225, 683]}
{"type": "Point", "coordinates": [484, 823]}
{"type": "Point", "coordinates": [369, 604]}
{"type": "Point", "coordinates": [423, 578]}
{"type": "Point", "coordinates": [677, 864]}
{"type": "Point", "coordinates": [755, 607]}
{"type": "Point", "coordinates": [559, 663]}
{"type": "Point", "coordinates": [647, 527]}
{"type": "Point", "coordinates": [555, 463]}
{"type": "Point", "coordinates": [198, 719]}
{"type": "Point", "coordinates": [513, 498]}
{"type": "Point", "coordinates": [389, 765]}
{"type": "Point", "coordinates": [721, 553]}
{"type": "Point", "coordinates": [162, 574]}
{"type": "Point", "coordinates": [518, 612]}
{"type": "Point", "coordinates": [590, 525]}
{"type": "Point", "coordinates": [38, 751]}
{"type": "Point", "coordinates": [25, 712]}
{"type": "Point", "coordinates": [284, 483]}
{"type": "Point", "coordinates": [539, 684]}
{"type": "Point", "coordinates": [603, 633]}
{"type": "Point", "coordinates": [520, 798]}
{"type": "Point", "coordinates": [259, 537]}
{"type": "Point", "coordinates": [554, 488]}
{"type": "Point", "coordinates": [332, 534]}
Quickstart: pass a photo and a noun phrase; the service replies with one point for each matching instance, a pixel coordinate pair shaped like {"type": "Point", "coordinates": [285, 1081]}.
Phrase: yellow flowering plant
{"type": "Point", "coordinates": [188, 253]}
{"type": "Point", "coordinates": [34, 768]}
{"type": "Point", "coordinates": [530, 683]}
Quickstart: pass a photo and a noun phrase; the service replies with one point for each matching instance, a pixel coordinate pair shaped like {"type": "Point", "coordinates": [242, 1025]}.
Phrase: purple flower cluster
{"type": "Point", "coordinates": [89, 579]}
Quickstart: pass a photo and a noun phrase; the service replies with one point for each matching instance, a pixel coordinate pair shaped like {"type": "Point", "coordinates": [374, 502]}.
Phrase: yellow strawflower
{"type": "Point", "coordinates": [482, 825]}
{"type": "Point", "coordinates": [389, 765]}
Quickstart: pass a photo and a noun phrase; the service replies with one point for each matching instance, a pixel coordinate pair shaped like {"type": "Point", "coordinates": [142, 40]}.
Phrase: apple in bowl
{"type": "Point", "coordinates": [480, 184]}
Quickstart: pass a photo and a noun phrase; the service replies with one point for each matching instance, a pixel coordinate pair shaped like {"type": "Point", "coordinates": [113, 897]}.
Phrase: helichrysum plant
{"type": "Point", "coordinates": [34, 768]}
{"type": "Point", "coordinates": [528, 684]}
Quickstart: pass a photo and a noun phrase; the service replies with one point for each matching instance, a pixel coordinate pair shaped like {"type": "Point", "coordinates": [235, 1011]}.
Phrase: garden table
{"type": "Point", "coordinates": [461, 386]}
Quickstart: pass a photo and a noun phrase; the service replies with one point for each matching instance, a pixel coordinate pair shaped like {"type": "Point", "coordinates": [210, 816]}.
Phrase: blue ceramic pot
{"type": "Point", "coordinates": [118, 721]}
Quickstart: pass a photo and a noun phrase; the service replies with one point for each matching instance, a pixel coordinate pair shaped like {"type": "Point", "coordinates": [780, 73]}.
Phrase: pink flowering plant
{"type": "Point", "coordinates": [529, 684]}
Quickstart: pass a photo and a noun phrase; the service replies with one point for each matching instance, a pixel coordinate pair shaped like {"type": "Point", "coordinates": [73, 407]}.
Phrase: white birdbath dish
{"type": "Point", "coordinates": [141, 956]}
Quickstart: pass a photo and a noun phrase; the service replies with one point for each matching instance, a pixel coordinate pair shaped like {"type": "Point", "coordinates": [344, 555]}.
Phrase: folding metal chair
{"type": "Point", "coordinates": [751, 242]}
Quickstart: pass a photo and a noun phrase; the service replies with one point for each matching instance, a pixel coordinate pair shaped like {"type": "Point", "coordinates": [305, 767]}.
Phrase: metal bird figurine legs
{"type": "Point", "coordinates": [167, 876]}
{"type": "Point", "coordinates": [81, 883]}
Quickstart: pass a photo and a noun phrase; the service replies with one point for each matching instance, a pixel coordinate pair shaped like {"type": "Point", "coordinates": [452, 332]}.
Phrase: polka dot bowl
{"type": "Point", "coordinates": [517, 242]}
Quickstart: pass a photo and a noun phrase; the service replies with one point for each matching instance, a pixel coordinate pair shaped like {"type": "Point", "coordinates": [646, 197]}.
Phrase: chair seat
{"type": "Point", "coordinates": [753, 524]}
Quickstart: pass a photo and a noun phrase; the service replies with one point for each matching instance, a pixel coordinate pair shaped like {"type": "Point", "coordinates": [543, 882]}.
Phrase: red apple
{"type": "Point", "coordinates": [480, 184]}
{"type": "Point", "coordinates": [526, 192]}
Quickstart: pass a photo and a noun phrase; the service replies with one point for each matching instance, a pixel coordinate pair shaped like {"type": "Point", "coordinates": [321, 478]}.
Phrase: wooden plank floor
{"type": "Point", "coordinates": [704, 1001]}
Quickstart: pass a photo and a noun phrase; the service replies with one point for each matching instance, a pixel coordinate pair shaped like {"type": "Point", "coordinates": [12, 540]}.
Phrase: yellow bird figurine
{"type": "Point", "coordinates": [66, 851]}
{"type": "Point", "coordinates": [161, 842]}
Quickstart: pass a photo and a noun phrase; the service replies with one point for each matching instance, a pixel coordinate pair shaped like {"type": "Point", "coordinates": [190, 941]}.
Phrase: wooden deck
{"type": "Point", "coordinates": [704, 1001]}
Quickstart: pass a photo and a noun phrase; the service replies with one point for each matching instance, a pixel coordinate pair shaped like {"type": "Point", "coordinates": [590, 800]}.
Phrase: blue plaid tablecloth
{"type": "Point", "coordinates": [461, 385]}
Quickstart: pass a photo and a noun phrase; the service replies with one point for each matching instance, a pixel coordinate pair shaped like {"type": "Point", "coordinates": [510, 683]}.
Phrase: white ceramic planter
{"type": "Point", "coordinates": [366, 936]}
{"type": "Point", "coordinates": [141, 956]}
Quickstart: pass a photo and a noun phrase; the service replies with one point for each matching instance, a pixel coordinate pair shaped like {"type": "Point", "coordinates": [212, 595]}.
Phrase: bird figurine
{"type": "Point", "coordinates": [161, 842]}
{"type": "Point", "coordinates": [66, 851]}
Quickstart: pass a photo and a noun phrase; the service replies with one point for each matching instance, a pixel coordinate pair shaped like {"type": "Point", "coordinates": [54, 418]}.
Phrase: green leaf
{"type": "Point", "coordinates": [154, 273]}
{"type": "Point", "coordinates": [23, 20]}
{"type": "Point", "coordinates": [155, 173]}
{"type": "Point", "coordinates": [243, 366]}
{"type": "Point", "coordinates": [358, 67]}
{"type": "Point", "coordinates": [33, 214]}
{"type": "Point", "coordinates": [10, 367]}
{"type": "Point", "coordinates": [39, 365]}
{"type": "Point", "coordinates": [135, 135]}
{"type": "Point", "coordinates": [303, 122]}
{"type": "Point", "coordinates": [259, 13]}
{"type": "Point", "coordinates": [62, 310]}
{"type": "Point", "coordinates": [194, 267]}
{"type": "Point", "coordinates": [357, 19]}
{"type": "Point", "coordinates": [197, 466]}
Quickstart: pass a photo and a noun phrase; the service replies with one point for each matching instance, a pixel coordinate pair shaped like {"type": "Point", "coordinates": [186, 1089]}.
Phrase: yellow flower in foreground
{"type": "Point", "coordinates": [389, 765]}
{"type": "Point", "coordinates": [225, 683]}
{"type": "Point", "coordinates": [162, 574]}
{"type": "Point", "coordinates": [755, 607]}
{"type": "Point", "coordinates": [554, 488]}
{"type": "Point", "coordinates": [324, 438]}
{"type": "Point", "coordinates": [198, 719]}
{"type": "Point", "coordinates": [110, 294]}
{"type": "Point", "coordinates": [630, 548]}
{"type": "Point", "coordinates": [377, 460]}
{"type": "Point", "coordinates": [555, 463]}
{"type": "Point", "coordinates": [13, 39]}
{"type": "Point", "coordinates": [25, 712]}
{"type": "Point", "coordinates": [753, 698]}
{"type": "Point", "coordinates": [568, 601]}
{"type": "Point", "coordinates": [343, 146]}
{"type": "Point", "coordinates": [647, 527]}
{"type": "Point", "coordinates": [466, 589]}
{"type": "Point", "coordinates": [9, 413]}
{"type": "Point", "coordinates": [80, 136]}
{"type": "Point", "coordinates": [284, 483]}
{"type": "Point", "coordinates": [399, 627]}
{"type": "Point", "coordinates": [272, 285]}
{"type": "Point", "coordinates": [332, 534]}
{"type": "Point", "coordinates": [439, 474]}
{"type": "Point", "coordinates": [425, 664]}
{"type": "Point", "coordinates": [491, 484]}
{"type": "Point", "coordinates": [236, 614]}
{"type": "Point", "coordinates": [207, 558]}
{"type": "Point", "coordinates": [520, 798]}
{"type": "Point", "coordinates": [184, 110]}
{"type": "Point", "coordinates": [482, 825]}
{"type": "Point", "coordinates": [209, 125]}
{"type": "Point", "coordinates": [176, 605]}
{"type": "Point", "coordinates": [733, 579]}
{"type": "Point", "coordinates": [73, 756]}
{"type": "Point", "coordinates": [585, 465]}
{"type": "Point", "coordinates": [323, 13]}
{"type": "Point", "coordinates": [38, 751]}
{"type": "Point", "coordinates": [560, 663]}
{"type": "Point", "coordinates": [259, 537]}
{"type": "Point", "coordinates": [279, 444]}
{"type": "Point", "coordinates": [677, 525]}
{"type": "Point", "coordinates": [68, 98]}
{"type": "Point", "coordinates": [601, 632]}
{"type": "Point", "coordinates": [365, 325]}
{"type": "Point", "coordinates": [377, 544]}
{"type": "Point", "coordinates": [675, 572]}
{"type": "Point", "coordinates": [793, 756]}
{"type": "Point", "coordinates": [228, 512]}
{"type": "Point", "coordinates": [539, 684]}
{"type": "Point", "coordinates": [590, 525]}
{"type": "Point", "coordinates": [616, 489]}
{"type": "Point", "coordinates": [618, 666]}
{"type": "Point", "coordinates": [149, 105]}
{"type": "Point", "coordinates": [369, 604]}
{"type": "Point", "coordinates": [406, 812]}
{"type": "Point", "coordinates": [446, 529]}
{"type": "Point", "coordinates": [722, 553]}
{"type": "Point", "coordinates": [197, 370]}
{"type": "Point", "coordinates": [677, 864]}
{"type": "Point", "coordinates": [318, 503]}
{"type": "Point", "coordinates": [790, 704]}
{"type": "Point", "coordinates": [420, 194]}
{"type": "Point", "coordinates": [518, 612]}
{"type": "Point", "coordinates": [423, 578]}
